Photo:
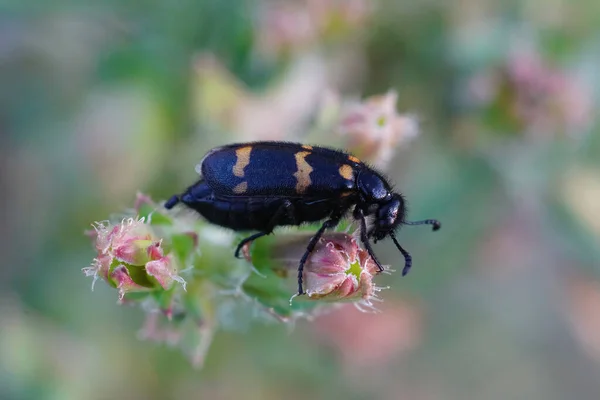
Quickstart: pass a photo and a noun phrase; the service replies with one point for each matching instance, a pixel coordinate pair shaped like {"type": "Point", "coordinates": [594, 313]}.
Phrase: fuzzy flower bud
{"type": "Point", "coordinates": [121, 277]}
{"type": "Point", "coordinates": [138, 251]}
{"type": "Point", "coordinates": [131, 258]}
{"type": "Point", "coordinates": [338, 269]}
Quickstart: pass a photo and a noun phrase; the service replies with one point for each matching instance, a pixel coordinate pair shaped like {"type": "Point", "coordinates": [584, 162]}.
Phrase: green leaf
{"type": "Point", "coordinates": [158, 218]}
{"type": "Point", "coordinates": [182, 245]}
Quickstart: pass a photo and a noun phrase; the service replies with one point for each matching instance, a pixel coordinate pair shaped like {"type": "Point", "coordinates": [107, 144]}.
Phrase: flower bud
{"type": "Point", "coordinates": [131, 258]}
{"type": "Point", "coordinates": [138, 251]}
{"type": "Point", "coordinates": [123, 281]}
{"type": "Point", "coordinates": [337, 269]}
{"type": "Point", "coordinates": [162, 270]}
{"type": "Point", "coordinates": [100, 268]}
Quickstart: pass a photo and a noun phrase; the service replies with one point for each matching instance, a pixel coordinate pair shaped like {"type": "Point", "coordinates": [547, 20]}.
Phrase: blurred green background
{"type": "Point", "coordinates": [101, 99]}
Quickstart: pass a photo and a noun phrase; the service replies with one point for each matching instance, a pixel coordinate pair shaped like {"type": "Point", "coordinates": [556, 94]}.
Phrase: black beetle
{"type": "Point", "coordinates": [261, 185]}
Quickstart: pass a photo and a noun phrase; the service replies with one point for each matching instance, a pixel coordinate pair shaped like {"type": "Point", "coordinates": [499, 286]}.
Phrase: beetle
{"type": "Point", "coordinates": [258, 186]}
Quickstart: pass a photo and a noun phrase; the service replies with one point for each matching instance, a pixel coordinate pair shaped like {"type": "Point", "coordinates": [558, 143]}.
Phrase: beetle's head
{"type": "Point", "coordinates": [389, 215]}
{"type": "Point", "coordinates": [388, 207]}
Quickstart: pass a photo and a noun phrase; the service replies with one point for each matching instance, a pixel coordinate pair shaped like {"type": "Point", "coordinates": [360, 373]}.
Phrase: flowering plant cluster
{"type": "Point", "coordinates": [182, 271]}
{"type": "Point", "coordinates": [180, 268]}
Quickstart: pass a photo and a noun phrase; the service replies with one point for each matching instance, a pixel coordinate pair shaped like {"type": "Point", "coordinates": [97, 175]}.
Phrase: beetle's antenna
{"type": "Point", "coordinates": [436, 224]}
{"type": "Point", "coordinates": [171, 202]}
{"type": "Point", "coordinates": [407, 257]}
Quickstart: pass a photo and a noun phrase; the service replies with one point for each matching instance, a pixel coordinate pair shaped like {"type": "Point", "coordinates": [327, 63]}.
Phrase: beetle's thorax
{"type": "Point", "coordinates": [373, 189]}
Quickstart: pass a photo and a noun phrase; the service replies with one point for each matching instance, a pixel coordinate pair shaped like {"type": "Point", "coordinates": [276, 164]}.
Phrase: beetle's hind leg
{"type": "Point", "coordinates": [247, 240]}
{"type": "Point", "coordinates": [287, 208]}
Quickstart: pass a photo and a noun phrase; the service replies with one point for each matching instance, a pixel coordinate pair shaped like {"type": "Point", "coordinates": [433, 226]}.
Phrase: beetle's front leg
{"type": "Point", "coordinates": [358, 214]}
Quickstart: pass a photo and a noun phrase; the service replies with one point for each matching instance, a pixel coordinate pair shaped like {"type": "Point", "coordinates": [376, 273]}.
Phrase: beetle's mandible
{"type": "Point", "coordinates": [258, 186]}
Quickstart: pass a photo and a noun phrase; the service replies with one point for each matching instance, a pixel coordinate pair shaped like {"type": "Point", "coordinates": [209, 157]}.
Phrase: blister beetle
{"type": "Point", "coordinates": [259, 186]}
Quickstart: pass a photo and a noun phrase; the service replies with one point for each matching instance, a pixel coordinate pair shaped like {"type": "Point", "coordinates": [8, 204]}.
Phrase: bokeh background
{"type": "Point", "coordinates": [101, 99]}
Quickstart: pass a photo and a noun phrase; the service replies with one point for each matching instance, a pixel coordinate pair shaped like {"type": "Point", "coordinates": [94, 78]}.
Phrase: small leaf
{"type": "Point", "coordinates": [139, 276]}
{"type": "Point", "coordinates": [158, 218]}
{"type": "Point", "coordinates": [183, 245]}
{"type": "Point", "coordinates": [145, 211]}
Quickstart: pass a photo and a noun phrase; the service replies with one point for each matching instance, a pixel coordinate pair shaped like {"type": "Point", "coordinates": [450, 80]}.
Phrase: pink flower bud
{"type": "Point", "coordinates": [162, 270]}
{"type": "Point", "coordinates": [120, 276]}
{"type": "Point", "coordinates": [100, 268]}
{"type": "Point", "coordinates": [131, 258]}
{"type": "Point", "coordinates": [138, 251]}
{"type": "Point", "coordinates": [339, 269]}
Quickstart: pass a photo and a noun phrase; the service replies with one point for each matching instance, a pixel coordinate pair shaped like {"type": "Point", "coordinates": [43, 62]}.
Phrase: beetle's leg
{"type": "Point", "coordinates": [407, 257]}
{"type": "Point", "coordinates": [247, 240]}
{"type": "Point", "coordinates": [358, 214]}
{"type": "Point", "coordinates": [287, 207]}
{"type": "Point", "coordinates": [330, 223]}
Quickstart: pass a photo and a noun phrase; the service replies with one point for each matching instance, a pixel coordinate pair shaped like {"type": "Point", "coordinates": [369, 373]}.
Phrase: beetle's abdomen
{"type": "Point", "coordinates": [278, 169]}
{"type": "Point", "coordinates": [256, 213]}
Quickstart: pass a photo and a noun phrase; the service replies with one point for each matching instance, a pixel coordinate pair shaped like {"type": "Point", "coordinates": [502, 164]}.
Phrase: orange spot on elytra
{"type": "Point", "coordinates": [347, 172]}
{"type": "Point", "coordinates": [353, 159]}
{"type": "Point", "coordinates": [241, 188]}
{"type": "Point", "coordinates": [242, 161]}
{"type": "Point", "coordinates": [302, 174]}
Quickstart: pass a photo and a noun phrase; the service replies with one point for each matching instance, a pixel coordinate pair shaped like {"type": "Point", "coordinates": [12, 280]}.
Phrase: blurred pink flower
{"type": "Point", "coordinates": [367, 340]}
{"type": "Point", "coordinates": [279, 112]}
{"type": "Point", "coordinates": [580, 191]}
{"type": "Point", "coordinates": [122, 132]}
{"type": "Point", "coordinates": [194, 337]}
{"type": "Point", "coordinates": [547, 95]}
{"type": "Point", "coordinates": [539, 97]}
{"type": "Point", "coordinates": [373, 128]}
{"type": "Point", "coordinates": [507, 249]}
{"type": "Point", "coordinates": [288, 27]}
{"type": "Point", "coordinates": [285, 27]}
{"type": "Point", "coordinates": [582, 303]}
